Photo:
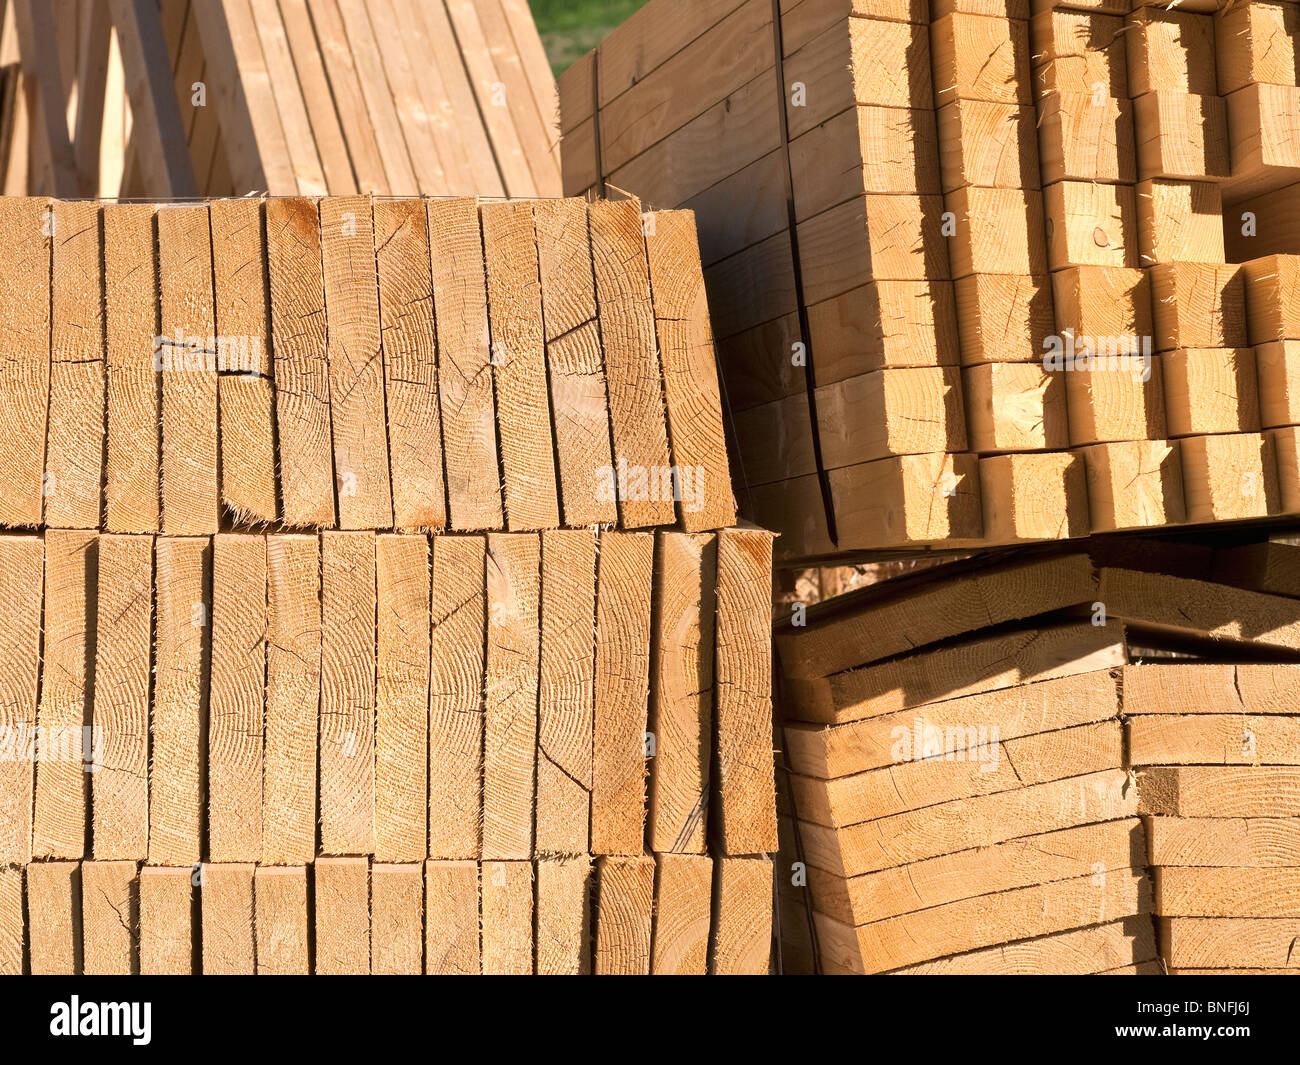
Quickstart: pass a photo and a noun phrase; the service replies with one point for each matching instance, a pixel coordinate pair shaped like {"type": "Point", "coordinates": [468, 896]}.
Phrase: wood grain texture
{"type": "Point", "coordinates": [507, 916]}
{"type": "Point", "coordinates": [245, 387]}
{"type": "Point", "coordinates": [167, 921]}
{"type": "Point", "coordinates": [567, 692]}
{"type": "Point", "coordinates": [624, 900]}
{"type": "Point", "coordinates": [575, 361]}
{"type": "Point", "coordinates": [402, 698]}
{"type": "Point", "coordinates": [178, 723]}
{"type": "Point", "coordinates": [465, 367]}
{"type": "Point", "coordinates": [563, 921]}
{"type": "Point", "coordinates": [682, 690]}
{"type": "Point", "coordinates": [74, 447]}
{"type": "Point", "coordinates": [123, 673]}
{"type": "Point", "coordinates": [623, 611]}
{"type": "Point", "coordinates": [458, 635]}
{"type": "Point", "coordinates": [354, 353]}
{"type": "Point", "coordinates": [237, 698]}
{"type": "Point", "coordinates": [280, 920]}
{"type": "Point", "coordinates": [510, 727]}
{"type": "Point", "coordinates": [347, 707]}
{"type": "Point", "coordinates": [25, 376]}
{"type": "Point", "coordinates": [133, 421]}
{"type": "Point", "coordinates": [519, 366]}
{"type": "Point", "coordinates": [21, 579]}
{"type": "Point", "coordinates": [67, 693]}
{"type": "Point", "coordinates": [342, 906]}
{"type": "Point", "coordinates": [627, 329]}
{"type": "Point", "coordinates": [110, 918]}
{"type": "Point", "coordinates": [293, 686]}
{"type": "Point", "coordinates": [743, 707]}
{"type": "Point", "coordinates": [451, 926]}
{"type": "Point", "coordinates": [410, 364]}
{"type": "Point", "coordinates": [190, 498]}
{"type": "Point", "coordinates": [227, 919]}
{"type": "Point", "coordinates": [302, 387]}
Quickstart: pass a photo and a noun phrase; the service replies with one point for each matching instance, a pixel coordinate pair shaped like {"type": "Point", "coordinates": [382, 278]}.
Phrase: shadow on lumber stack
{"type": "Point", "coordinates": [380, 606]}
{"type": "Point", "coordinates": [967, 259]}
{"type": "Point", "coordinates": [1031, 764]}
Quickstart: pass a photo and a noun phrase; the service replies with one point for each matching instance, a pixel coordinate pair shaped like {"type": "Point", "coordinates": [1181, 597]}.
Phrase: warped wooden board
{"type": "Point", "coordinates": [1016, 660]}
{"type": "Point", "coordinates": [912, 613]}
{"type": "Point", "coordinates": [1022, 913]}
{"type": "Point", "coordinates": [966, 823]}
{"type": "Point", "coordinates": [1066, 854]}
{"type": "Point", "coordinates": [977, 769]}
{"type": "Point", "coordinates": [1101, 948]}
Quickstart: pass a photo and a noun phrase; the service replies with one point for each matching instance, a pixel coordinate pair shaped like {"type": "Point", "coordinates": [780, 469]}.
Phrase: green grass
{"type": "Point", "coordinates": [571, 28]}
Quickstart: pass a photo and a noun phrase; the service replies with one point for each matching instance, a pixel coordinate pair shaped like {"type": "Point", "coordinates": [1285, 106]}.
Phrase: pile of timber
{"type": "Point", "coordinates": [356, 363]}
{"type": "Point", "coordinates": [392, 739]}
{"type": "Point", "coordinates": [296, 97]}
{"type": "Point", "coordinates": [967, 259]}
{"type": "Point", "coordinates": [1040, 764]}
{"type": "Point", "coordinates": [382, 608]}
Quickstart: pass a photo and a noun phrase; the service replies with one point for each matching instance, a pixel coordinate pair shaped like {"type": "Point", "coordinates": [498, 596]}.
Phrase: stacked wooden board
{"type": "Point", "coordinates": [357, 363]}
{"type": "Point", "coordinates": [375, 615]}
{"type": "Point", "coordinates": [288, 97]}
{"type": "Point", "coordinates": [966, 259]}
{"type": "Point", "coordinates": [387, 739]}
{"type": "Point", "coordinates": [1037, 765]}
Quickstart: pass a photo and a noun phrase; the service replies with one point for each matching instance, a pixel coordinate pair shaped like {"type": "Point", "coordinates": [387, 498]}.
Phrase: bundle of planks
{"type": "Point", "coordinates": [288, 97]}
{"type": "Point", "coordinates": [357, 363]}
{"type": "Point", "coordinates": [966, 259]}
{"type": "Point", "coordinates": [961, 796]}
{"type": "Point", "coordinates": [389, 738]}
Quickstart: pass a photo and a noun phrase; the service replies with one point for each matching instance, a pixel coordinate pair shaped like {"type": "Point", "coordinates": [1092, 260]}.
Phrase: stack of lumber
{"type": "Point", "coordinates": [282, 361]}
{"type": "Point", "coordinates": [394, 619]}
{"type": "Point", "coordinates": [966, 259]}
{"type": "Point", "coordinates": [987, 774]}
{"type": "Point", "coordinates": [388, 739]}
{"type": "Point", "coordinates": [288, 97]}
